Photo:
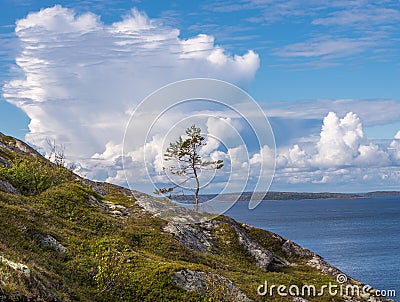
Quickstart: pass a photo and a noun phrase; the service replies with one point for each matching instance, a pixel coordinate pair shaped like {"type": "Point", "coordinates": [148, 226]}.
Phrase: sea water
{"type": "Point", "coordinates": [360, 236]}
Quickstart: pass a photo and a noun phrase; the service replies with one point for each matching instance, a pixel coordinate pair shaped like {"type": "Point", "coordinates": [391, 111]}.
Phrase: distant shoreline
{"type": "Point", "coordinates": [276, 196]}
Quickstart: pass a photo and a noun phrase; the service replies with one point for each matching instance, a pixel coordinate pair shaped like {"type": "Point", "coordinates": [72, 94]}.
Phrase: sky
{"type": "Point", "coordinates": [325, 73]}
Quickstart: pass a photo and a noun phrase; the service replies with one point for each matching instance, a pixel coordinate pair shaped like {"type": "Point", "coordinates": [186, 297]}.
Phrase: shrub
{"type": "Point", "coordinates": [34, 175]}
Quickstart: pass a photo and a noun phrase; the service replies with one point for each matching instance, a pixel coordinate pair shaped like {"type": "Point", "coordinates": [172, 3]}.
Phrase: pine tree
{"type": "Point", "coordinates": [187, 160]}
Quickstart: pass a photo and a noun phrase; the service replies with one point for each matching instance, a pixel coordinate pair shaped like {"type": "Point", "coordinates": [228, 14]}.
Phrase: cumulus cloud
{"type": "Point", "coordinates": [81, 78]}
{"type": "Point", "coordinates": [341, 143]}
{"type": "Point", "coordinates": [341, 156]}
{"type": "Point", "coordinates": [339, 140]}
{"type": "Point", "coordinates": [266, 155]}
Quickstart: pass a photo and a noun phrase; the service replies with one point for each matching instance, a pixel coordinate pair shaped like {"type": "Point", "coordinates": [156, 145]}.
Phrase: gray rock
{"type": "Point", "coordinates": [290, 248]}
{"type": "Point", "coordinates": [52, 242]}
{"type": "Point", "coordinates": [264, 258]}
{"type": "Point", "coordinates": [318, 263]}
{"type": "Point", "coordinates": [15, 266]}
{"type": "Point", "coordinates": [208, 283]}
{"type": "Point", "coordinates": [198, 237]}
{"type": "Point", "coordinates": [190, 280]}
{"type": "Point", "coordinates": [192, 236]}
{"type": "Point", "coordinates": [20, 145]}
{"type": "Point", "coordinates": [4, 162]}
{"type": "Point", "coordinates": [102, 188]}
{"type": "Point", "coordinates": [165, 209]}
{"type": "Point", "coordinates": [17, 145]}
{"type": "Point", "coordinates": [115, 213]}
{"type": "Point", "coordinates": [92, 200]}
{"type": "Point", "coordinates": [99, 190]}
{"type": "Point", "coordinates": [109, 207]}
{"type": "Point", "coordinates": [8, 187]}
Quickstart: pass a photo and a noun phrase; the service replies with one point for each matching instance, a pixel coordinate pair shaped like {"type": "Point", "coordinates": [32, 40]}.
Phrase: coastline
{"type": "Point", "coordinates": [288, 196]}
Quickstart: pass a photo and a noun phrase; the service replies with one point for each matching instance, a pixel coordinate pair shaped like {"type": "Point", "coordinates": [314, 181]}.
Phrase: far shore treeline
{"type": "Point", "coordinates": [245, 196]}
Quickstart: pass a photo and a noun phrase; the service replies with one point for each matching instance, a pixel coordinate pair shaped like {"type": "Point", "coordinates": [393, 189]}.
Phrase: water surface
{"type": "Point", "coordinates": [359, 236]}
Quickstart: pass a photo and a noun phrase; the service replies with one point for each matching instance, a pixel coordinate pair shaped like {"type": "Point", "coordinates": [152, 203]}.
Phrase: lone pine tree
{"type": "Point", "coordinates": [187, 162]}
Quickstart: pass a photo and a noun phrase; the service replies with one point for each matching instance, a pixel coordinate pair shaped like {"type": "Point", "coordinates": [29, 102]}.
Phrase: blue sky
{"type": "Point", "coordinates": [300, 60]}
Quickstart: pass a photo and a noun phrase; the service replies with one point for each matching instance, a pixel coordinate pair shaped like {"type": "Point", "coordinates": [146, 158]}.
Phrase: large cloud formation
{"type": "Point", "coordinates": [81, 78]}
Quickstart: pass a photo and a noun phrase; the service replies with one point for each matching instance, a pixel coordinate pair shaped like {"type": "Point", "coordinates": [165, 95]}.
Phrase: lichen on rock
{"type": "Point", "coordinates": [209, 284]}
{"type": "Point", "coordinates": [49, 240]}
{"type": "Point", "coordinates": [16, 266]}
{"type": "Point", "coordinates": [192, 236]}
{"type": "Point", "coordinates": [6, 186]}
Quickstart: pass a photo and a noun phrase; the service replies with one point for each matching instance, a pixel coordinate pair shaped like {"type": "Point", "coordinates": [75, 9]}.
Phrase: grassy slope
{"type": "Point", "coordinates": [113, 258]}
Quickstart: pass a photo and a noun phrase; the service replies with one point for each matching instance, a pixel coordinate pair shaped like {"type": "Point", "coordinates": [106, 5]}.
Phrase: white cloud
{"type": "Point", "coordinates": [395, 151]}
{"type": "Point", "coordinates": [341, 143]}
{"type": "Point", "coordinates": [56, 19]}
{"type": "Point", "coordinates": [397, 136]}
{"type": "Point", "coordinates": [342, 156]}
{"type": "Point", "coordinates": [298, 157]}
{"type": "Point", "coordinates": [365, 16]}
{"type": "Point", "coordinates": [339, 140]}
{"type": "Point", "coordinates": [226, 130]}
{"type": "Point", "coordinates": [263, 156]}
{"type": "Point", "coordinates": [81, 78]}
{"type": "Point", "coordinates": [371, 111]}
{"type": "Point", "coordinates": [326, 47]}
{"type": "Point", "coordinates": [371, 155]}
{"type": "Point", "coordinates": [239, 157]}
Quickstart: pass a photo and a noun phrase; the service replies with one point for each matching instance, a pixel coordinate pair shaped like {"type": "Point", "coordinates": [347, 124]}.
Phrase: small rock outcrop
{"type": "Point", "coordinates": [4, 162]}
{"type": "Point", "coordinates": [99, 190]}
{"type": "Point", "coordinates": [15, 266]}
{"type": "Point", "coordinates": [323, 266]}
{"type": "Point", "coordinates": [264, 258]}
{"type": "Point", "coordinates": [50, 241]}
{"type": "Point", "coordinates": [97, 187]}
{"type": "Point", "coordinates": [199, 237]}
{"type": "Point", "coordinates": [291, 248]}
{"type": "Point", "coordinates": [104, 189]}
{"type": "Point", "coordinates": [209, 284]}
{"type": "Point", "coordinates": [16, 145]}
{"type": "Point", "coordinates": [165, 209]}
{"type": "Point", "coordinates": [192, 236]}
{"type": "Point", "coordinates": [109, 207]}
{"type": "Point", "coordinates": [6, 186]}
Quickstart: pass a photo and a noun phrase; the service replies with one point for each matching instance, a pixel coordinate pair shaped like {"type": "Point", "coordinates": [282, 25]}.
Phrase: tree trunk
{"type": "Point", "coordinates": [197, 188]}
{"type": "Point", "coordinates": [197, 194]}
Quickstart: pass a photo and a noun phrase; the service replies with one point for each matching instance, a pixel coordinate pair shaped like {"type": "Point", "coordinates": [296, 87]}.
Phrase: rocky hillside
{"type": "Point", "coordinates": [64, 238]}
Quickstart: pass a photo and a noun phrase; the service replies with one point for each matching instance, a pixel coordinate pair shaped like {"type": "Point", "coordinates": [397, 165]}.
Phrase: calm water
{"type": "Point", "coordinates": [359, 236]}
